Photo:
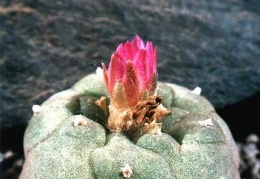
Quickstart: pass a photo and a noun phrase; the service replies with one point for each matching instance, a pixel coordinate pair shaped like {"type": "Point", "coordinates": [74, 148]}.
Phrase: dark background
{"type": "Point", "coordinates": [46, 46]}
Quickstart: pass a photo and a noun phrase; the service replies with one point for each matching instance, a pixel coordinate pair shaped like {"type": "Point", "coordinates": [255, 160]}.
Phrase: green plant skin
{"type": "Point", "coordinates": [55, 148]}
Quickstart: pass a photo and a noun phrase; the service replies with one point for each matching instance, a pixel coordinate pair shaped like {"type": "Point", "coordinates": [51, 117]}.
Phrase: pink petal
{"type": "Point", "coordinates": [140, 65]}
{"type": "Point", "coordinates": [151, 57]}
{"type": "Point", "coordinates": [130, 50]}
{"type": "Point", "coordinates": [138, 42]}
{"type": "Point", "coordinates": [152, 84]}
{"type": "Point", "coordinates": [121, 52]}
{"type": "Point", "coordinates": [127, 50]}
{"type": "Point", "coordinates": [131, 85]}
{"type": "Point", "coordinates": [116, 70]}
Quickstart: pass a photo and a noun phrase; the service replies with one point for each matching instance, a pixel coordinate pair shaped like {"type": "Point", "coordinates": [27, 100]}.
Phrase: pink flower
{"type": "Point", "coordinates": [131, 75]}
{"type": "Point", "coordinates": [131, 81]}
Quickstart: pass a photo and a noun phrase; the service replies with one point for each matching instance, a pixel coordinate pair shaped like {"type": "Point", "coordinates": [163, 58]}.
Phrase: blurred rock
{"type": "Point", "coordinates": [46, 46]}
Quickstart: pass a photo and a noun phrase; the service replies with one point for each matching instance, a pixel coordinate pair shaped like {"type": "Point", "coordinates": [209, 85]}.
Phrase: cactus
{"type": "Point", "coordinates": [73, 134]}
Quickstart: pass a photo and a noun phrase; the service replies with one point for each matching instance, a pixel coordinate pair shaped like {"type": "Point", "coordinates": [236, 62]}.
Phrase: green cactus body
{"type": "Point", "coordinates": [68, 138]}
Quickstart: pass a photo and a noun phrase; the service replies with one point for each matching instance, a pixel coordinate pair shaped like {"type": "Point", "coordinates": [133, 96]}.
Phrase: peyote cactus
{"type": "Point", "coordinates": [122, 123]}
